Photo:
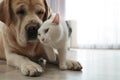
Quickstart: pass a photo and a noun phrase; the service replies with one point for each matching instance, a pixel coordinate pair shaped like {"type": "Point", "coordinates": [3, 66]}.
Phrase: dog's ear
{"type": "Point", "coordinates": [2, 14]}
{"type": "Point", "coordinates": [5, 12]}
{"type": "Point", "coordinates": [48, 12]}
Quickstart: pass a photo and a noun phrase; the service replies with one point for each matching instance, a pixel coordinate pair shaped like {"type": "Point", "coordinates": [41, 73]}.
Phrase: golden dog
{"type": "Point", "coordinates": [18, 41]}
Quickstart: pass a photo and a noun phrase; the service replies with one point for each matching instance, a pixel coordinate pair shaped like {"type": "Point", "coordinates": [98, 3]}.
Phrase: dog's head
{"type": "Point", "coordinates": [26, 16]}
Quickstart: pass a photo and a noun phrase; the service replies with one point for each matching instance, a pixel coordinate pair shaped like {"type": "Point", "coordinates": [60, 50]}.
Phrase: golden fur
{"type": "Point", "coordinates": [15, 25]}
{"type": "Point", "coordinates": [14, 46]}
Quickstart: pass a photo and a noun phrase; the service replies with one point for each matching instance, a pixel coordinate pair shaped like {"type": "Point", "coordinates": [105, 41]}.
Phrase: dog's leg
{"type": "Point", "coordinates": [26, 66]}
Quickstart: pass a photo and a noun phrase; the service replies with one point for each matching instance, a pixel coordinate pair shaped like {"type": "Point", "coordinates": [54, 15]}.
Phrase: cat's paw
{"type": "Point", "coordinates": [63, 66]}
{"type": "Point", "coordinates": [31, 69]}
{"type": "Point", "coordinates": [73, 65]}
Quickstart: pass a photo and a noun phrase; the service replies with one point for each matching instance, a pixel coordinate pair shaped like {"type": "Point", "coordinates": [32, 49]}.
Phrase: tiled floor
{"type": "Point", "coordinates": [97, 65]}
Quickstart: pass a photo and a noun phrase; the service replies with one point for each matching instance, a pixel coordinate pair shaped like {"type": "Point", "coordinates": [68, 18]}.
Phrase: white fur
{"type": "Point", "coordinates": [56, 37]}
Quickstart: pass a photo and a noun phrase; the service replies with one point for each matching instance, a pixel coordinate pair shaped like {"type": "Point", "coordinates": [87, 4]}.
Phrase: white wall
{"type": "Point", "coordinates": [58, 6]}
{"type": "Point", "coordinates": [0, 0]}
{"type": "Point", "coordinates": [98, 22]}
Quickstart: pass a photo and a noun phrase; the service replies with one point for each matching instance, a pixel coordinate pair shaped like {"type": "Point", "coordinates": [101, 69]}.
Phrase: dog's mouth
{"type": "Point", "coordinates": [31, 34]}
{"type": "Point", "coordinates": [32, 31]}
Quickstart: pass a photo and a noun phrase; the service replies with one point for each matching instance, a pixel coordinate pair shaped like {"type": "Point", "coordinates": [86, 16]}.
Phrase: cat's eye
{"type": "Point", "coordinates": [39, 34]}
{"type": "Point", "coordinates": [46, 30]}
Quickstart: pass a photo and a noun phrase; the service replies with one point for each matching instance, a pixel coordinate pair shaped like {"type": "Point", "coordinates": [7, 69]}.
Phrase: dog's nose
{"type": "Point", "coordinates": [32, 30]}
{"type": "Point", "coordinates": [32, 26]}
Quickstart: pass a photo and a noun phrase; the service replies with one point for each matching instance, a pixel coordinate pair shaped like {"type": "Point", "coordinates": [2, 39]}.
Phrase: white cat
{"type": "Point", "coordinates": [54, 33]}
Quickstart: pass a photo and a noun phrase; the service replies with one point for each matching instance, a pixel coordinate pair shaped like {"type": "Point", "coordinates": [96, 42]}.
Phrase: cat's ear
{"type": "Point", "coordinates": [56, 19]}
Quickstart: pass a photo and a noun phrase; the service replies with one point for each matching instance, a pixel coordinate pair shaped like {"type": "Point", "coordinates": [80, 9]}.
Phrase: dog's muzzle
{"type": "Point", "coordinates": [32, 30]}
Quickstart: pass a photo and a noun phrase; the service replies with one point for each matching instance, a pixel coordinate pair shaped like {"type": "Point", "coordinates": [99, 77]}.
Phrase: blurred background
{"type": "Point", "coordinates": [95, 23]}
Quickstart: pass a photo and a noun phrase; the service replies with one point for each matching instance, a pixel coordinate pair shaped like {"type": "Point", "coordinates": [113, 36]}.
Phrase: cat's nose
{"type": "Point", "coordinates": [43, 39]}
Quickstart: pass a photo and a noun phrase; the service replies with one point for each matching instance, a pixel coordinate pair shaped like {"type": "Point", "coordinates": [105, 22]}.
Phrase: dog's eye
{"type": "Point", "coordinates": [21, 12]}
{"type": "Point", "coordinates": [39, 12]}
{"type": "Point", "coordinates": [46, 30]}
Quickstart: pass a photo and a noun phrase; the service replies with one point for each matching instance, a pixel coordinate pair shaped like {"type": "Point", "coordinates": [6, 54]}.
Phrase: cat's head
{"type": "Point", "coordinates": [49, 31]}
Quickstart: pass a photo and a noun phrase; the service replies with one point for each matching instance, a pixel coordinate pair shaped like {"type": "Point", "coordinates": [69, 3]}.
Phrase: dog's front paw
{"type": "Point", "coordinates": [31, 69]}
{"type": "Point", "coordinates": [73, 65]}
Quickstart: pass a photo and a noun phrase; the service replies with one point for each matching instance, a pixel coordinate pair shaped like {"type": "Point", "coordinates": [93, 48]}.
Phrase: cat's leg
{"type": "Point", "coordinates": [65, 63]}
{"type": "Point", "coordinates": [50, 53]}
{"type": "Point", "coordinates": [62, 58]}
